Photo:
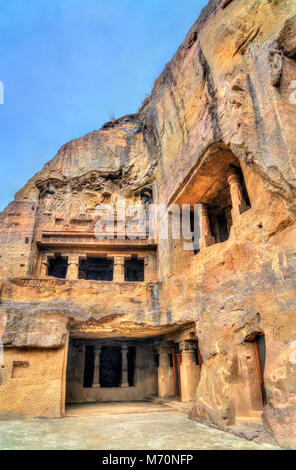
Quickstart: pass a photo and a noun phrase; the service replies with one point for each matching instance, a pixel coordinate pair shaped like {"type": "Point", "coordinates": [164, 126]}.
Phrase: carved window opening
{"type": "Point", "coordinates": [131, 366]}
{"type": "Point", "coordinates": [20, 369]}
{"type": "Point", "coordinates": [134, 270]}
{"type": "Point", "coordinates": [89, 364]}
{"type": "Point", "coordinates": [220, 210]}
{"type": "Point", "coordinates": [57, 267]}
{"type": "Point", "coordinates": [220, 222]}
{"type": "Point", "coordinates": [96, 269]}
{"type": "Point", "coordinates": [218, 186]}
{"type": "Point", "coordinates": [110, 366]}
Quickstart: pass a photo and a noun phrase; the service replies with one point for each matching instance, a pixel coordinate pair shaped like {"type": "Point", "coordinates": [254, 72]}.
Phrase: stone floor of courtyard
{"type": "Point", "coordinates": [118, 426]}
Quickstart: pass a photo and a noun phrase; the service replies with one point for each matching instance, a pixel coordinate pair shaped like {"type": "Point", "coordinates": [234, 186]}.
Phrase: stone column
{"type": "Point", "coordinates": [118, 273]}
{"type": "Point", "coordinates": [96, 380]}
{"type": "Point", "coordinates": [44, 267]}
{"type": "Point", "coordinates": [73, 267]}
{"type": "Point", "coordinates": [207, 238]}
{"type": "Point", "coordinates": [165, 372]}
{"type": "Point", "coordinates": [237, 196]}
{"type": "Point", "coordinates": [189, 370]}
{"type": "Point", "coordinates": [124, 369]}
{"type": "Point", "coordinates": [147, 270]}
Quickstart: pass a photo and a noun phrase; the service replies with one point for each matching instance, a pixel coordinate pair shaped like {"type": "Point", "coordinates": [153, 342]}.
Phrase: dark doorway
{"type": "Point", "coordinates": [134, 270]}
{"type": "Point", "coordinates": [222, 229]}
{"type": "Point", "coordinates": [177, 359]}
{"type": "Point", "coordinates": [219, 225]}
{"type": "Point", "coordinates": [89, 364]}
{"type": "Point", "coordinates": [131, 365]}
{"type": "Point", "coordinates": [110, 366]}
{"type": "Point", "coordinates": [260, 349]}
{"type": "Point", "coordinates": [96, 269]}
{"type": "Point", "coordinates": [57, 267]}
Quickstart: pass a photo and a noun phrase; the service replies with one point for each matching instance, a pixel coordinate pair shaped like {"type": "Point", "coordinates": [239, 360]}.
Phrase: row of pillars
{"type": "Point", "coordinates": [73, 267]}
{"type": "Point", "coordinates": [124, 366]}
{"type": "Point", "coordinates": [189, 371]}
{"type": "Point", "coordinates": [239, 206]}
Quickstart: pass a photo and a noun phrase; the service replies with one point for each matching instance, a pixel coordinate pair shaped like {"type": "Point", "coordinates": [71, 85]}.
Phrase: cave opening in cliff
{"type": "Point", "coordinates": [96, 269]}
{"type": "Point", "coordinates": [103, 370]}
{"type": "Point", "coordinates": [57, 266]}
{"type": "Point", "coordinates": [134, 269]}
{"type": "Point", "coordinates": [233, 198]}
{"type": "Point", "coordinates": [217, 184]}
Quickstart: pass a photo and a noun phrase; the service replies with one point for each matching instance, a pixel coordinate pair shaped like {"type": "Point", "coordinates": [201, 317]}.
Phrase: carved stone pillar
{"type": "Point", "coordinates": [118, 274]}
{"type": "Point", "coordinates": [147, 270]}
{"type": "Point", "coordinates": [124, 366]}
{"type": "Point", "coordinates": [73, 267]}
{"type": "Point", "coordinates": [44, 267]}
{"type": "Point", "coordinates": [96, 379]}
{"type": "Point", "coordinates": [189, 370]}
{"type": "Point", "coordinates": [165, 372]}
{"type": "Point", "coordinates": [237, 196]}
{"type": "Point", "coordinates": [207, 238]}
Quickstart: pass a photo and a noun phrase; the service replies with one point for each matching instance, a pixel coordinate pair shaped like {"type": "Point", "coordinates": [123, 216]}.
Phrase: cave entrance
{"type": "Point", "coordinates": [57, 267]}
{"type": "Point", "coordinates": [96, 269]}
{"type": "Point", "coordinates": [110, 370]}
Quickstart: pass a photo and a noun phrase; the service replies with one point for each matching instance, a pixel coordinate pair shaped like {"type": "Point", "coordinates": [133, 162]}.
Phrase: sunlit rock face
{"type": "Point", "coordinates": [218, 130]}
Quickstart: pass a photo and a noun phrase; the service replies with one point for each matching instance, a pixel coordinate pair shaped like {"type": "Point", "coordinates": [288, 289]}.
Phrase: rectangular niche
{"type": "Point", "coordinates": [20, 369]}
{"type": "Point", "coordinates": [57, 267]}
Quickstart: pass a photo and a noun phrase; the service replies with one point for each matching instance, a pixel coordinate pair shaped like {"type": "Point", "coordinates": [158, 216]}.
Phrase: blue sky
{"type": "Point", "coordinates": [70, 65]}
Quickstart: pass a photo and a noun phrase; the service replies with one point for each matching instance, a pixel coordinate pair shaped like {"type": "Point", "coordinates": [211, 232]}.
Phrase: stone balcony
{"type": "Point", "coordinates": [128, 306]}
{"type": "Point", "coordinates": [46, 308]}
